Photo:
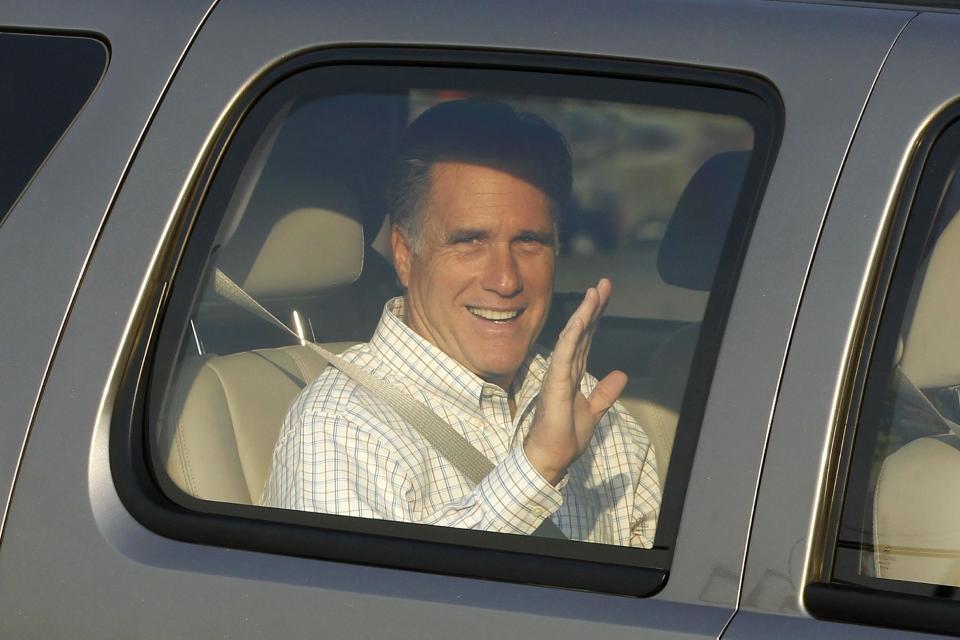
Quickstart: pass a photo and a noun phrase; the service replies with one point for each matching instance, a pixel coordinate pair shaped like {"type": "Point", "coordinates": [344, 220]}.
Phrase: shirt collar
{"type": "Point", "coordinates": [408, 353]}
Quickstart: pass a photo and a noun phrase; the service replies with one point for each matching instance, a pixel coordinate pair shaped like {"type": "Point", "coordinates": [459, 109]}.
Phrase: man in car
{"type": "Point", "coordinates": [476, 200]}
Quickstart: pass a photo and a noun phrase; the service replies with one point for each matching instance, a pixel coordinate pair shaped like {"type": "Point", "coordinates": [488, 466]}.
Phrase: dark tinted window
{"type": "Point", "coordinates": [44, 81]}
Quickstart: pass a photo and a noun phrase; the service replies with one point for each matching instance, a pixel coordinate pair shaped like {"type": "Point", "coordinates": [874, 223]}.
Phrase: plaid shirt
{"type": "Point", "coordinates": [344, 451]}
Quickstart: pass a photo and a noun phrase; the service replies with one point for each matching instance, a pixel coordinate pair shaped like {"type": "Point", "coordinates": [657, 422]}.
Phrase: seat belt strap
{"type": "Point", "coordinates": [441, 436]}
{"type": "Point", "coordinates": [917, 401]}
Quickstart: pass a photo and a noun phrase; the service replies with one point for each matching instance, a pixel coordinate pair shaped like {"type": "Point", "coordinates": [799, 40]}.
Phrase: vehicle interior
{"type": "Point", "coordinates": [310, 244]}
{"type": "Point", "coordinates": [916, 530]}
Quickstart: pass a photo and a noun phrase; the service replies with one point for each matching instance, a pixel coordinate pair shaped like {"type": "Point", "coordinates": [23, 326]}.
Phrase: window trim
{"type": "Point", "coordinates": [605, 568]}
{"type": "Point", "coordinates": [866, 599]}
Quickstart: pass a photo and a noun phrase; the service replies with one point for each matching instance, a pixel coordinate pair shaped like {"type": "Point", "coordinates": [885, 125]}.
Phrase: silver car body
{"type": "Point", "coordinates": [80, 249]}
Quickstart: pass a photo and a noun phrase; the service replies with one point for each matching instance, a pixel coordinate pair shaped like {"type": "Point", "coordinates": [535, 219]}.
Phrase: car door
{"type": "Point", "coordinates": [62, 168]}
{"type": "Point", "coordinates": [113, 543]}
{"type": "Point", "coordinates": [821, 556]}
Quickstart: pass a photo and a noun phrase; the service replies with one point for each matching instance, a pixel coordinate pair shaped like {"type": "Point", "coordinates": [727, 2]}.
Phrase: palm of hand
{"type": "Point", "coordinates": [566, 419]}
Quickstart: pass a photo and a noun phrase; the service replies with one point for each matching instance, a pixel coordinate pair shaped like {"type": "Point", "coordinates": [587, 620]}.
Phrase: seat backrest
{"type": "Point", "coordinates": [916, 523]}
{"type": "Point", "coordinates": [226, 415]}
{"type": "Point", "coordinates": [688, 257]}
{"type": "Point", "coordinates": [221, 423]}
{"type": "Point", "coordinates": [294, 236]}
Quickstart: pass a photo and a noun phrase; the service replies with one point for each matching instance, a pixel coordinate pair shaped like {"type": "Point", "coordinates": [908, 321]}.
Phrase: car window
{"type": "Point", "coordinates": [899, 530]}
{"type": "Point", "coordinates": [449, 280]}
{"type": "Point", "coordinates": [44, 83]}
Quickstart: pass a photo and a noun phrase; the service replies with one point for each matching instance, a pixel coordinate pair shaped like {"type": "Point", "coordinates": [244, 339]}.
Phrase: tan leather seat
{"type": "Point", "coordinates": [293, 237]}
{"type": "Point", "coordinates": [220, 425]}
{"type": "Point", "coordinates": [226, 416]}
{"type": "Point", "coordinates": [916, 522]}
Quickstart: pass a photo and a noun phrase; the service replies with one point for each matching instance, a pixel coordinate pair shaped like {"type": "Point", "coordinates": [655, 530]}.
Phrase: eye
{"type": "Point", "coordinates": [465, 238]}
{"type": "Point", "coordinates": [532, 240]}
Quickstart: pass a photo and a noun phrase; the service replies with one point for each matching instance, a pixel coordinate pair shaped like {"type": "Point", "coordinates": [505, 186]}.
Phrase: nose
{"type": "Point", "coordinates": [502, 273]}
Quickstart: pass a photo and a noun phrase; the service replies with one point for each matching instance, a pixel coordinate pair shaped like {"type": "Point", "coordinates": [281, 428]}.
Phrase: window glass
{"type": "Point", "coordinates": [438, 228]}
{"type": "Point", "coordinates": [899, 527]}
{"type": "Point", "coordinates": [44, 83]}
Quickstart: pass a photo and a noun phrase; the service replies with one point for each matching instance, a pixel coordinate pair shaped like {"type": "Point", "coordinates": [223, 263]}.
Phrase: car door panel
{"type": "Point", "coordinates": [787, 545]}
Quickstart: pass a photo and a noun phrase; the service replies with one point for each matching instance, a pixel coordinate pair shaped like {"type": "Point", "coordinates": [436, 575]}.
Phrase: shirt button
{"type": "Point", "coordinates": [539, 512]}
{"type": "Point", "coordinates": [477, 422]}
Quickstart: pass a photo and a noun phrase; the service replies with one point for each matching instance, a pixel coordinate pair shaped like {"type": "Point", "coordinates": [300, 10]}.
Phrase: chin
{"type": "Point", "coordinates": [493, 360]}
{"type": "Point", "coordinates": [499, 370]}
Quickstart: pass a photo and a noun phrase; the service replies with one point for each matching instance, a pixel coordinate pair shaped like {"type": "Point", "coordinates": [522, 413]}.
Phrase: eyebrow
{"type": "Point", "coordinates": [543, 237]}
{"type": "Point", "coordinates": [525, 235]}
{"type": "Point", "coordinates": [459, 235]}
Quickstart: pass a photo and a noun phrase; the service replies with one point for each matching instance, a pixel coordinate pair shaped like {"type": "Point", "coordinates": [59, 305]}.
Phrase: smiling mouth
{"type": "Point", "coordinates": [493, 315]}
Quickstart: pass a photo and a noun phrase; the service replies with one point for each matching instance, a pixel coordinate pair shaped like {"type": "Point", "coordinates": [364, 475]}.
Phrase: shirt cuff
{"type": "Point", "coordinates": [517, 496]}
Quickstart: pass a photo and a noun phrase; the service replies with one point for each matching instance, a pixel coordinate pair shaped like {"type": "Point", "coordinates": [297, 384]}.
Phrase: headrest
{"type": "Point", "coordinates": [690, 250]}
{"type": "Point", "coordinates": [931, 351]}
{"type": "Point", "coordinates": [306, 251]}
{"type": "Point", "coordinates": [300, 251]}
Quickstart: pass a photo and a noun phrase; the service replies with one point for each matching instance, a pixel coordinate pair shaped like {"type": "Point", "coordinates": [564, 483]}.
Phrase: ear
{"type": "Point", "coordinates": [402, 255]}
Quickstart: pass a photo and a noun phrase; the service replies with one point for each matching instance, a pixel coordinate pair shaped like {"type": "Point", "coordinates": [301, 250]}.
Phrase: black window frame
{"type": "Point", "coordinates": [840, 592]}
{"type": "Point", "coordinates": [162, 507]}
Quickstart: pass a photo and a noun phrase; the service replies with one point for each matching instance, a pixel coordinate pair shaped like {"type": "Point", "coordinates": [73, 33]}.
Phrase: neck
{"type": "Point", "coordinates": [504, 381]}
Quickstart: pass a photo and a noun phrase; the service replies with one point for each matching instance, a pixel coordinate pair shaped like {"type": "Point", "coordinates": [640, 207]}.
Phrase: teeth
{"type": "Point", "coordinates": [490, 314]}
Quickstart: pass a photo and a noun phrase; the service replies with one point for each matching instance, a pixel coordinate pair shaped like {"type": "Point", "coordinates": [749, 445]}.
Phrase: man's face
{"type": "Point", "coordinates": [480, 286]}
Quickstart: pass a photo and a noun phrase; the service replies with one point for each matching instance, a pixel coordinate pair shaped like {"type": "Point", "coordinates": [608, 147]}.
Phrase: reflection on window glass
{"type": "Point", "coordinates": [899, 522]}
{"type": "Point", "coordinates": [460, 248]}
{"type": "Point", "coordinates": [44, 82]}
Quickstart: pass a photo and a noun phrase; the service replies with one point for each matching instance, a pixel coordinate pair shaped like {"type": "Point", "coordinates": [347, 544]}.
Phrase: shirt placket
{"type": "Point", "coordinates": [495, 413]}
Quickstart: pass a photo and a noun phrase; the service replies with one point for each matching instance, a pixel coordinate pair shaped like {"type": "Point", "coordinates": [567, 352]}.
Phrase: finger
{"type": "Point", "coordinates": [565, 351]}
{"type": "Point", "coordinates": [604, 289]}
{"type": "Point", "coordinates": [585, 313]}
{"type": "Point", "coordinates": [589, 311]}
{"type": "Point", "coordinates": [606, 393]}
{"type": "Point", "coordinates": [587, 307]}
{"type": "Point", "coordinates": [583, 350]}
